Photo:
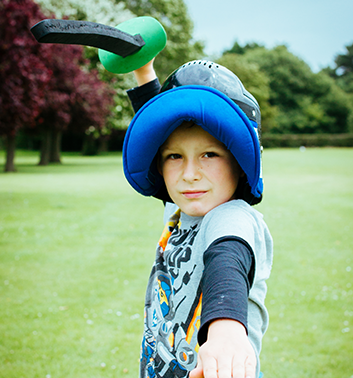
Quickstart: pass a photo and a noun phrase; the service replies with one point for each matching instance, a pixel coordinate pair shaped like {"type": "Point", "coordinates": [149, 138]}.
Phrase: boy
{"type": "Point", "coordinates": [196, 148]}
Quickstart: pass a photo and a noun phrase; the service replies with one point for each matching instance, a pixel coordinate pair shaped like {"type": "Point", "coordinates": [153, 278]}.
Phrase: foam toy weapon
{"type": "Point", "coordinates": [129, 46]}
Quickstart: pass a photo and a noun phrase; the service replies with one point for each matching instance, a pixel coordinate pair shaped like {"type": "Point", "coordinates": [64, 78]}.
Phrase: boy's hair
{"type": "Point", "coordinates": [212, 97]}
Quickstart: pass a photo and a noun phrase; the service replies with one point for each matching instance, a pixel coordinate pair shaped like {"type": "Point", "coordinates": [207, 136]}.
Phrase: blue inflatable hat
{"type": "Point", "coordinates": [220, 105]}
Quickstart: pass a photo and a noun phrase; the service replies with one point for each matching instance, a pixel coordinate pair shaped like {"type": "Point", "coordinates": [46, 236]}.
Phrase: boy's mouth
{"type": "Point", "coordinates": [194, 193]}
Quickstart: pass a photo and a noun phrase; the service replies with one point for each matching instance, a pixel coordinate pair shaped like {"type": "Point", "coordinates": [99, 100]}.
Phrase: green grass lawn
{"type": "Point", "coordinates": [77, 244]}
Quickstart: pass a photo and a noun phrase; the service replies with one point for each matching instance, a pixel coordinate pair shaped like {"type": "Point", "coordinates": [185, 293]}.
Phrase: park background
{"type": "Point", "coordinates": [76, 243]}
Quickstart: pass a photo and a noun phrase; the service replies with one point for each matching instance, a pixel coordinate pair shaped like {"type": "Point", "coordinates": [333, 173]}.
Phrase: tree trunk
{"type": "Point", "coordinates": [45, 147]}
{"type": "Point", "coordinates": [89, 147]}
{"type": "Point", "coordinates": [10, 153]}
{"type": "Point", "coordinates": [103, 144]}
{"type": "Point", "coordinates": [55, 147]}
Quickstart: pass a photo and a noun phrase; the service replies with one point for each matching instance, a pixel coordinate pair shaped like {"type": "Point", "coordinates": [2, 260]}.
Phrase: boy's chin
{"type": "Point", "coordinates": [196, 210]}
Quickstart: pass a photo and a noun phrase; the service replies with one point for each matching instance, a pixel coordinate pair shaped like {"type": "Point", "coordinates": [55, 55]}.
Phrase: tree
{"type": "Point", "coordinates": [106, 12]}
{"type": "Point", "coordinates": [240, 50]}
{"type": "Point", "coordinates": [47, 87]}
{"type": "Point", "coordinates": [180, 47]}
{"type": "Point", "coordinates": [344, 62]}
{"type": "Point", "coordinates": [306, 102]}
{"type": "Point", "coordinates": [344, 77]}
{"type": "Point", "coordinates": [342, 73]}
{"type": "Point", "coordinates": [94, 100]}
{"type": "Point", "coordinates": [23, 73]}
{"type": "Point", "coordinates": [76, 99]}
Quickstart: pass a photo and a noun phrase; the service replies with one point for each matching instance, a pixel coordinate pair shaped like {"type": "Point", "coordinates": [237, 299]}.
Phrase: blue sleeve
{"type": "Point", "coordinates": [140, 95]}
{"type": "Point", "coordinates": [227, 278]}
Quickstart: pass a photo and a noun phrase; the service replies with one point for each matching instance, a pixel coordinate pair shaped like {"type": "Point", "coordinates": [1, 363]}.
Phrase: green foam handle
{"type": "Point", "coordinates": [155, 39]}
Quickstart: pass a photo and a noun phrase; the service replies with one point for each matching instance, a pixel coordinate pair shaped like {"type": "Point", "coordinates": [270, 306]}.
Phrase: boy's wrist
{"type": "Point", "coordinates": [219, 326]}
{"type": "Point", "coordinates": [145, 74]}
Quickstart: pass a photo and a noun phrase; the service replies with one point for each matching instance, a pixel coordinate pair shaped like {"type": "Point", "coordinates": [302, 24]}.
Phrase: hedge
{"type": "Point", "coordinates": [268, 141]}
{"type": "Point", "coordinates": [307, 140]}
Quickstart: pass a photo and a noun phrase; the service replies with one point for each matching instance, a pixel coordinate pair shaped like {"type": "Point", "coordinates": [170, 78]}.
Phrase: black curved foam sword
{"type": "Point", "coordinates": [88, 34]}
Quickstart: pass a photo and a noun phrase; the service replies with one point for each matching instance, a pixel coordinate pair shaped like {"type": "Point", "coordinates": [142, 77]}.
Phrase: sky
{"type": "Point", "coordinates": [314, 30]}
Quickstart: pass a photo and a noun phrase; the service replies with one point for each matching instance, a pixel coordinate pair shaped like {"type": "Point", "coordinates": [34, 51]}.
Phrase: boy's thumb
{"type": "Point", "coordinates": [197, 372]}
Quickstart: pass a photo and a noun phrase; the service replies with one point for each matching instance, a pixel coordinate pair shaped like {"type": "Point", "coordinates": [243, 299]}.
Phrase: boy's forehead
{"type": "Point", "coordinates": [189, 130]}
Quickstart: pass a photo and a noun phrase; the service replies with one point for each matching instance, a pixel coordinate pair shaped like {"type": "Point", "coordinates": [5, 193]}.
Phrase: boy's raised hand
{"type": "Point", "coordinates": [227, 353]}
{"type": "Point", "coordinates": [145, 74]}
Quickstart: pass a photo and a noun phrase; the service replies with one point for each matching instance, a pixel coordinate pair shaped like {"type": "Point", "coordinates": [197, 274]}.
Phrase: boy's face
{"type": "Point", "coordinates": [198, 171]}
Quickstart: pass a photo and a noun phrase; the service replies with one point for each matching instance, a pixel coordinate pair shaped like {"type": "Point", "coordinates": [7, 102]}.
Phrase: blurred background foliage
{"type": "Point", "coordinates": [60, 97]}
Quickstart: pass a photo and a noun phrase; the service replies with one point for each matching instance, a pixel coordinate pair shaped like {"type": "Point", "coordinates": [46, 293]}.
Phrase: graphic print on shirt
{"type": "Point", "coordinates": [173, 309]}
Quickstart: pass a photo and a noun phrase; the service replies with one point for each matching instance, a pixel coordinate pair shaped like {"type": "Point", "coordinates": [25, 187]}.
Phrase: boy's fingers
{"type": "Point", "coordinates": [210, 369]}
{"type": "Point", "coordinates": [250, 367]}
{"type": "Point", "coordinates": [221, 369]}
{"type": "Point", "coordinates": [238, 370]}
{"type": "Point", "coordinates": [196, 373]}
{"type": "Point", "coordinates": [225, 368]}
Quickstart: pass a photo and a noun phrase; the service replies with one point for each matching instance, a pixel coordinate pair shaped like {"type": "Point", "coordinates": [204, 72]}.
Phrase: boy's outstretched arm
{"type": "Point", "coordinates": [145, 74]}
{"type": "Point", "coordinates": [227, 353]}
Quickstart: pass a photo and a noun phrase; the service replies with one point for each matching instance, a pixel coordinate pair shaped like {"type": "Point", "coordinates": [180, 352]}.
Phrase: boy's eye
{"type": "Point", "coordinates": [174, 156]}
{"type": "Point", "coordinates": [210, 154]}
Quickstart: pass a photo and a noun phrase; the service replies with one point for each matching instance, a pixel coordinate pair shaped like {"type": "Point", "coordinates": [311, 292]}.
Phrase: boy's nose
{"type": "Point", "coordinates": [192, 171]}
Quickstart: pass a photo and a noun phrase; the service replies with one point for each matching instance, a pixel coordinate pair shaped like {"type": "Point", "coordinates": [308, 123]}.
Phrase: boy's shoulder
{"type": "Point", "coordinates": [234, 218]}
{"type": "Point", "coordinates": [234, 211]}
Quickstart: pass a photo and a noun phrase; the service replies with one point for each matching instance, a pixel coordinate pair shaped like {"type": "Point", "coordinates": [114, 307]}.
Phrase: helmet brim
{"type": "Point", "coordinates": [206, 107]}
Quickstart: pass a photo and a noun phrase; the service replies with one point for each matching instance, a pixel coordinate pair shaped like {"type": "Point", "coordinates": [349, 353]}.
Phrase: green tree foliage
{"type": "Point", "coordinates": [256, 82]}
{"type": "Point", "coordinates": [106, 12]}
{"type": "Point", "coordinates": [238, 49]}
{"type": "Point", "coordinates": [342, 73]}
{"type": "Point", "coordinates": [344, 62]}
{"type": "Point", "coordinates": [345, 79]}
{"type": "Point", "coordinates": [307, 102]}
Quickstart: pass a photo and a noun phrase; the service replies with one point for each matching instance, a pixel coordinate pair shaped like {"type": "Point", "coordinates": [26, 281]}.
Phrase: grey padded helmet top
{"type": "Point", "coordinates": [210, 74]}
